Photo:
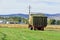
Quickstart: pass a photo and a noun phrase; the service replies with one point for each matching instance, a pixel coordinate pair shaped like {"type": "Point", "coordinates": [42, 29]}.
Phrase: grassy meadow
{"type": "Point", "coordinates": [20, 33]}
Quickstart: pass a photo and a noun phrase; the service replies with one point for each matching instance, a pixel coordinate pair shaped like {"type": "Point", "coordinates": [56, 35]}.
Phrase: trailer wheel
{"type": "Point", "coordinates": [31, 28]}
{"type": "Point", "coordinates": [42, 28]}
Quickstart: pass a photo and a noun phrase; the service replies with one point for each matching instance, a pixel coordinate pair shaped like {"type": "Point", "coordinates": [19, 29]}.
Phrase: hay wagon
{"type": "Point", "coordinates": [37, 21]}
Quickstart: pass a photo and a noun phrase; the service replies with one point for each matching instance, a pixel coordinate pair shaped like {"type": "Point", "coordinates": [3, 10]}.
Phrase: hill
{"type": "Point", "coordinates": [53, 16]}
{"type": "Point", "coordinates": [50, 16]}
{"type": "Point", "coordinates": [18, 15]}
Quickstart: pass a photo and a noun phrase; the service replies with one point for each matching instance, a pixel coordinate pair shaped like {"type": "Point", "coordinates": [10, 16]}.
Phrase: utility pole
{"type": "Point", "coordinates": [29, 10]}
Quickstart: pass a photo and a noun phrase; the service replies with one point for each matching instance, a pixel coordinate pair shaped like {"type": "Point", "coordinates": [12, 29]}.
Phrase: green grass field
{"type": "Point", "coordinates": [26, 34]}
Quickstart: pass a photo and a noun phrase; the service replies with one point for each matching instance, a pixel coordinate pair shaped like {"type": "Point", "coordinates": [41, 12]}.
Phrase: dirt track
{"type": "Point", "coordinates": [14, 25]}
{"type": "Point", "coordinates": [26, 26]}
{"type": "Point", "coordinates": [53, 27]}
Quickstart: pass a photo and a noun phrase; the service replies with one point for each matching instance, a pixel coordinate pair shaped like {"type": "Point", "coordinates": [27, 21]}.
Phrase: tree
{"type": "Point", "coordinates": [51, 21]}
{"type": "Point", "coordinates": [58, 22]}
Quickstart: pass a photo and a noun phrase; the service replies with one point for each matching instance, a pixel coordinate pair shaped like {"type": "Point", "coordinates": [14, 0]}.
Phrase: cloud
{"type": "Point", "coordinates": [57, 1]}
{"type": "Point", "coordinates": [21, 6]}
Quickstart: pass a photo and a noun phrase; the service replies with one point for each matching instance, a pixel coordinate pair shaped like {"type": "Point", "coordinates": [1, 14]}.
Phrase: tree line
{"type": "Point", "coordinates": [15, 19]}
{"type": "Point", "coordinates": [53, 22]}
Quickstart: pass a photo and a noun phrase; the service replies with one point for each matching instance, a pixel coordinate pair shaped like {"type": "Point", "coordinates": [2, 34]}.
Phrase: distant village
{"type": "Point", "coordinates": [12, 20]}
{"type": "Point", "coordinates": [52, 20]}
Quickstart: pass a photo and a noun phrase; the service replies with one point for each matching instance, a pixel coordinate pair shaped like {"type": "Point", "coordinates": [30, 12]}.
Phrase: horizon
{"type": "Point", "coordinates": [26, 13]}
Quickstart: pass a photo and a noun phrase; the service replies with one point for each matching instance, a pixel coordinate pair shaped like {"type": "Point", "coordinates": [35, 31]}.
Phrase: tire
{"type": "Point", "coordinates": [42, 28]}
{"type": "Point", "coordinates": [31, 28]}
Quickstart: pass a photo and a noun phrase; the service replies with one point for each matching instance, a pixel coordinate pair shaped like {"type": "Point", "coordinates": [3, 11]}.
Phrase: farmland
{"type": "Point", "coordinates": [26, 34]}
{"type": "Point", "coordinates": [26, 26]}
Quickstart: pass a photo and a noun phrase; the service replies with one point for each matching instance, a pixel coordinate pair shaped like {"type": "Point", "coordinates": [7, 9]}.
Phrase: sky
{"type": "Point", "coordinates": [21, 6]}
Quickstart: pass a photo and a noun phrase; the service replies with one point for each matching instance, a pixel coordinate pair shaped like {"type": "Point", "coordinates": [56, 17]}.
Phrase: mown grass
{"type": "Point", "coordinates": [26, 34]}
